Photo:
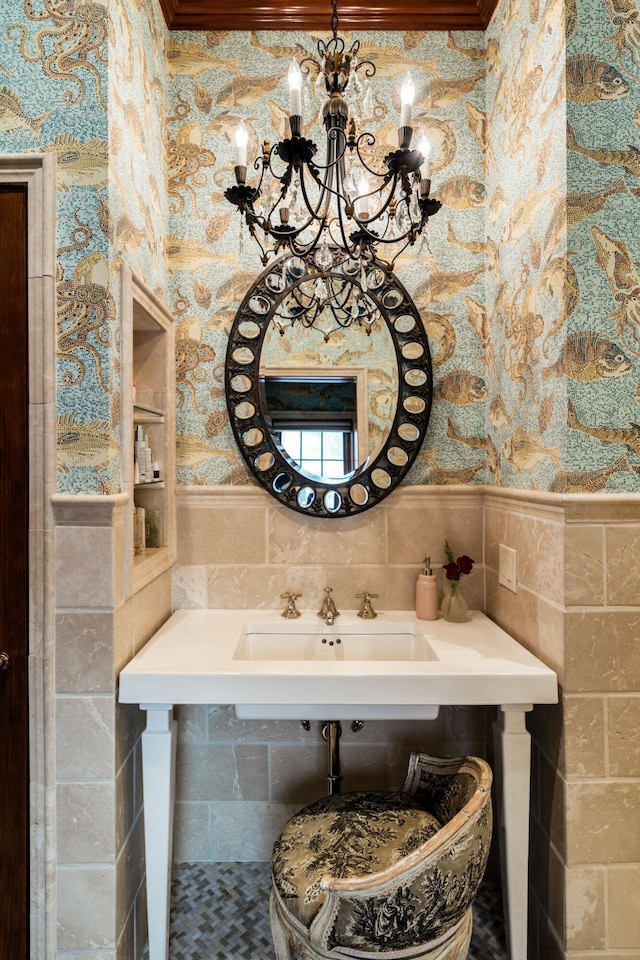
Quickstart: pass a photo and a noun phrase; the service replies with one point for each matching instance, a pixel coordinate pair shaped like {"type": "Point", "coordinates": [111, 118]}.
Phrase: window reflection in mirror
{"type": "Point", "coordinates": [314, 419]}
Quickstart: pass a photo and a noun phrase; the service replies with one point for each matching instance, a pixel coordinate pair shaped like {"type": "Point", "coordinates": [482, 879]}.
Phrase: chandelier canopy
{"type": "Point", "coordinates": [350, 204]}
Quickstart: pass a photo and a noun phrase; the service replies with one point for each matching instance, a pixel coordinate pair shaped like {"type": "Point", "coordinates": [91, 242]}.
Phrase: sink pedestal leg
{"type": "Point", "coordinates": [512, 745]}
{"type": "Point", "coordinates": [158, 780]}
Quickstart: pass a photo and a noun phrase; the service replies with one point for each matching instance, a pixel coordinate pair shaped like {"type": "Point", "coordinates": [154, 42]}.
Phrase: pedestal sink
{"type": "Point", "coordinates": [394, 666]}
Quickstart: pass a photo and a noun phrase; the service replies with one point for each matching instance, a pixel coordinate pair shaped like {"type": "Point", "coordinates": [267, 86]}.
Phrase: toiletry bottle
{"type": "Point", "coordinates": [427, 594]}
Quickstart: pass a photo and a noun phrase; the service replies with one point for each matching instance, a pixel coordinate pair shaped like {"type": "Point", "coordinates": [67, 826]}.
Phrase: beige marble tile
{"type": "Point", "coordinates": [624, 736]}
{"type": "Point", "coordinates": [296, 540]}
{"type": "Point", "coordinates": [555, 904]}
{"type": "Point", "coordinates": [85, 814]}
{"type": "Point", "coordinates": [602, 652]}
{"type": "Point", "coordinates": [517, 613]}
{"type": "Point", "coordinates": [364, 767]}
{"type": "Point", "coordinates": [84, 653]}
{"type": "Point", "coordinates": [624, 907]}
{"type": "Point", "coordinates": [246, 832]}
{"type": "Point", "coordinates": [585, 908]}
{"type": "Point", "coordinates": [94, 925]}
{"type": "Point", "coordinates": [125, 794]}
{"type": "Point", "coordinates": [602, 822]}
{"type": "Point", "coordinates": [151, 607]}
{"type": "Point", "coordinates": [298, 771]}
{"type": "Point", "coordinates": [584, 559]}
{"type": "Point", "coordinates": [394, 584]}
{"type": "Point", "coordinates": [571, 734]}
{"type": "Point", "coordinates": [499, 527]}
{"type": "Point", "coordinates": [222, 772]}
{"type": "Point", "coordinates": [466, 723]}
{"type": "Point", "coordinates": [389, 732]}
{"type": "Point", "coordinates": [129, 872]}
{"type": "Point", "coordinates": [261, 586]}
{"type": "Point", "coordinates": [551, 638]}
{"type": "Point", "coordinates": [224, 726]}
{"type": "Point", "coordinates": [540, 556]}
{"type": "Point", "coordinates": [416, 533]}
{"type": "Point", "coordinates": [192, 722]}
{"type": "Point", "coordinates": [85, 735]}
{"type": "Point", "coordinates": [607, 954]}
{"type": "Point", "coordinates": [191, 835]}
{"type": "Point", "coordinates": [138, 792]}
{"type": "Point", "coordinates": [539, 853]}
{"type": "Point", "coordinates": [130, 722]}
{"type": "Point", "coordinates": [189, 586]}
{"type": "Point", "coordinates": [84, 563]}
{"type": "Point", "coordinates": [123, 639]}
{"type": "Point", "coordinates": [584, 736]}
{"type": "Point", "coordinates": [552, 800]}
{"type": "Point", "coordinates": [217, 534]}
{"type": "Point", "coordinates": [623, 570]}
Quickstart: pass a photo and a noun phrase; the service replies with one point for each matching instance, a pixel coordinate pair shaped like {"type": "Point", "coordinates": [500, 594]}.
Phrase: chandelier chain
{"type": "Point", "coordinates": [333, 22]}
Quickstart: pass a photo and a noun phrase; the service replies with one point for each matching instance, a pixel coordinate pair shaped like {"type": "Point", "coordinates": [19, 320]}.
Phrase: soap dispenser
{"type": "Point", "coordinates": [427, 593]}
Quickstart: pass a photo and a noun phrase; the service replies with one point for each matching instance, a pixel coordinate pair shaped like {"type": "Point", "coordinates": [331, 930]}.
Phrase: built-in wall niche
{"type": "Point", "coordinates": [148, 431]}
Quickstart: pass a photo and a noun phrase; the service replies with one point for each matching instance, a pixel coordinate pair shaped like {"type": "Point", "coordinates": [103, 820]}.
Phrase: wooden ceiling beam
{"type": "Point", "coordinates": [315, 15]}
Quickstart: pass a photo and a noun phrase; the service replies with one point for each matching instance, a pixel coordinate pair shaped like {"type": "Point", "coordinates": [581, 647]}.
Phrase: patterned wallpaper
{"type": "Point", "coordinates": [86, 82]}
{"type": "Point", "coordinates": [220, 79]}
{"type": "Point", "coordinates": [562, 185]}
{"type": "Point", "coordinates": [534, 322]}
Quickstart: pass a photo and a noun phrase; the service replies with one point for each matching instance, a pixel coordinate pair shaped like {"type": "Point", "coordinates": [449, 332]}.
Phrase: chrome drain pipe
{"type": "Point", "coordinates": [331, 732]}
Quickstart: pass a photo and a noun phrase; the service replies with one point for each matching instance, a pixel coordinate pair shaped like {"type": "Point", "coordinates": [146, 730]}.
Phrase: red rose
{"type": "Point", "coordinates": [465, 563]}
{"type": "Point", "coordinates": [452, 571]}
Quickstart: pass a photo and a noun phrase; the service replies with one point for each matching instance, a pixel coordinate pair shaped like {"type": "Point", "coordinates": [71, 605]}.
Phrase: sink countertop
{"type": "Point", "coordinates": [191, 660]}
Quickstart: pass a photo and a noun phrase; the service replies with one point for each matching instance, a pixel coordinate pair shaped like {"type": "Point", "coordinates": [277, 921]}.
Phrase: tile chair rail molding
{"type": "Point", "coordinates": [385, 874]}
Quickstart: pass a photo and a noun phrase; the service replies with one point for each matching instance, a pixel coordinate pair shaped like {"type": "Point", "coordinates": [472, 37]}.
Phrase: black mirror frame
{"type": "Point", "coordinates": [251, 426]}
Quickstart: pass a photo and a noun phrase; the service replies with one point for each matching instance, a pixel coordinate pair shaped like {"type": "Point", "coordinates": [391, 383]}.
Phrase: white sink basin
{"type": "Point", "coordinates": [364, 640]}
{"type": "Point", "coordinates": [349, 640]}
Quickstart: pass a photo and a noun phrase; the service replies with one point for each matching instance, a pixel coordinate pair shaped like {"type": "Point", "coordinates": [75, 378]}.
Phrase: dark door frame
{"type": "Point", "coordinates": [38, 173]}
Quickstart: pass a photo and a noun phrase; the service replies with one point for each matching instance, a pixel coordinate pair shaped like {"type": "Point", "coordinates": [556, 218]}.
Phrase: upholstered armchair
{"type": "Point", "coordinates": [385, 875]}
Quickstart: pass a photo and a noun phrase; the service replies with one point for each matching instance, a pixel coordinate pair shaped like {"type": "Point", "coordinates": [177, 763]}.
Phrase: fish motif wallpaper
{"type": "Point", "coordinates": [86, 82]}
{"type": "Point", "coordinates": [562, 182]}
{"type": "Point", "coordinates": [527, 281]}
{"type": "Point", "coordinates": [219, 80]}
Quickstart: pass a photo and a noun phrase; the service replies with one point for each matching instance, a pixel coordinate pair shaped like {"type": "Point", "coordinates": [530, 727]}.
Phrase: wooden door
{"type": "Point", "coordinates": [14, 596]}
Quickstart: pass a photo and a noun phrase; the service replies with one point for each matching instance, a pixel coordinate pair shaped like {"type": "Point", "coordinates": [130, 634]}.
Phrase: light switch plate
{"type": "Point", "coordinates": [507, 567]}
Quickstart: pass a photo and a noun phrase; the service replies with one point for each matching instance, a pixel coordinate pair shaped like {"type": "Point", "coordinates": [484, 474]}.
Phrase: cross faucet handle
{"type": "Point", "coordinates": [366, 610]}
{"type": "Point", "coordinates": [290, 612]}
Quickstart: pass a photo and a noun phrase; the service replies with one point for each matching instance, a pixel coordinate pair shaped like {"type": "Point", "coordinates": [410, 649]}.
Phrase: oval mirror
{"type": "Point", "coordinates": [330, 404]}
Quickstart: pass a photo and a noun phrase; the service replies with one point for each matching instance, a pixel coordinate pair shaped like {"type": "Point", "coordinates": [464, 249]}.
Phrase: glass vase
{"type": "Point", "coordinates": [454, 605]}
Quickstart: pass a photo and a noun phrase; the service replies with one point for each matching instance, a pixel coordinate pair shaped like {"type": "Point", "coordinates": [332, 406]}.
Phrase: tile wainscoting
{"type": "Point", "coordinates": [577, 607]}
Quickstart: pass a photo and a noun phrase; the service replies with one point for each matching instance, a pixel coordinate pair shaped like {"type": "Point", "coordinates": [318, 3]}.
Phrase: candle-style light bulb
{"type": "Point", "coordinates": [407, 95]}
{"type": "Point", "coordinates": [295, 86]}
{"type": "Point", "coordinates": [242, 139]}
{"type": "Point", "coordinates": [425, 149]}
{"type": "Point", "coordinates": [363, 200]}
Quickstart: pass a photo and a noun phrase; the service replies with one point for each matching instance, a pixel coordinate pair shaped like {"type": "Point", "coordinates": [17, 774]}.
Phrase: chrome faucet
{"type": "Point", "coordinates": [327, 611]}
{"type": "Point", "coordinates": [366, 610]}
{"type": "Point", "coordinates": [290, 612]}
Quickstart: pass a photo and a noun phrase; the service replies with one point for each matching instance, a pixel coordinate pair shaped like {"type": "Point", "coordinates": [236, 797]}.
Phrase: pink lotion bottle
{"type": "Point", "coordinates": [427, 594]}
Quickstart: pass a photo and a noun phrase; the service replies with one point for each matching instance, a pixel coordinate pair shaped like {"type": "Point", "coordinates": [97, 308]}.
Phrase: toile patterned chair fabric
{"type": "Point", "coordinates": [385, 875]}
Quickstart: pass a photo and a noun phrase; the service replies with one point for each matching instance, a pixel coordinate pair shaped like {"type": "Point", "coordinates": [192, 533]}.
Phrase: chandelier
{"type": "Point", "coordinates": [323, 301]}
{"type": "Point", "coordinates": [350, 204]}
